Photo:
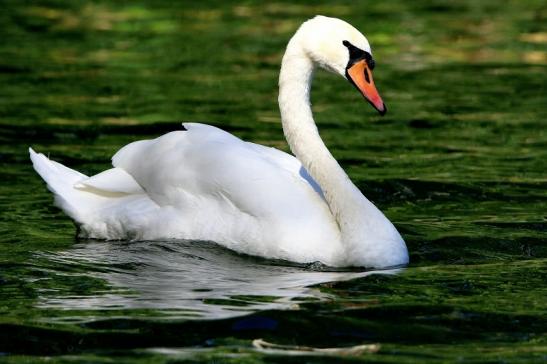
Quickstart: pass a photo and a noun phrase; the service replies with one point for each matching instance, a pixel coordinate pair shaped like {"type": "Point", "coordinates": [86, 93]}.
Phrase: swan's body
{"type": "Point", "coordinates": [205, 184]}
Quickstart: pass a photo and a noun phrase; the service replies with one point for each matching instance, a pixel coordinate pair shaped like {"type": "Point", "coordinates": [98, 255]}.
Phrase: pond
{"type": "Point", "coordinates": [458, 164]}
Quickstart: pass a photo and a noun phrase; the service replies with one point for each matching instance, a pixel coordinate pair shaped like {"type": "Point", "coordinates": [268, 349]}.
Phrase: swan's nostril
{"type": "Point", "coordinates": [367, 77]}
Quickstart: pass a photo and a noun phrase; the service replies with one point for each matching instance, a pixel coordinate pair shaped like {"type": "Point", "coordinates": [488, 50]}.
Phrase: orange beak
{"type": "Point", "coordinates": [360, 75]}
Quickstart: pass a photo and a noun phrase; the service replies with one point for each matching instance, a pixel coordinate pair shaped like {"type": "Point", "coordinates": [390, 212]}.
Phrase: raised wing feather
{"type": "Point", "coordinates": [114, 180]}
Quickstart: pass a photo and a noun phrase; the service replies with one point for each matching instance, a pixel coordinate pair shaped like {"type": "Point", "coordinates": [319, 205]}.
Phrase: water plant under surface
{"type": "Point", "coordinates": [458, 164]}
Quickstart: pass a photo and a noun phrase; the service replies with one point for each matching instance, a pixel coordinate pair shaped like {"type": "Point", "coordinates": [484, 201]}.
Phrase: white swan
{"type": "Point", "coordinates": [203, 183]}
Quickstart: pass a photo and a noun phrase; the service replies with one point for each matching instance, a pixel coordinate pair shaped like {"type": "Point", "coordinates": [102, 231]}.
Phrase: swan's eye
{"type": "Point", "coordinates": [357, 54]}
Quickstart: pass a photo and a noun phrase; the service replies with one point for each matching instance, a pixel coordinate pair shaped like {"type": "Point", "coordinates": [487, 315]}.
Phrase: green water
{"type": "Point", "coordinates": [458, 164]}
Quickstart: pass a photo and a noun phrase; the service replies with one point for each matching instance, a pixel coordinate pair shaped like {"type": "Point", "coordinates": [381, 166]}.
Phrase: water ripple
{"type": "Point", "coordinates": [186, 278]}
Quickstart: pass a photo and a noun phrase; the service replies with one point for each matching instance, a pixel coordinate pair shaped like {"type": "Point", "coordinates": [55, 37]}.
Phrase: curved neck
{"type": "Point", "coordinates": [305, 142]}
{"type": "Point", "coordinates": [360, 222]}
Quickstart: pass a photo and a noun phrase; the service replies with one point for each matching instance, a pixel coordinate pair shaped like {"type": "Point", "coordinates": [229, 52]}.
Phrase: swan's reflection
{"type": "Point", "coordinates": [188, 279]}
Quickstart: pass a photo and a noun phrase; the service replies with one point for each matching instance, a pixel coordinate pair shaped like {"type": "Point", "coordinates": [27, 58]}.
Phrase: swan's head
{"type": "Point", "coordinates": [338, 47]}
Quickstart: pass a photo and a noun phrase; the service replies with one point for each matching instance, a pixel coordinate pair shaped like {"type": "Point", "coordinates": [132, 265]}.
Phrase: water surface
{"type": "Point", "coordinates": [184, 279]}
{"type": "Point", "coordinates": [458, 164]}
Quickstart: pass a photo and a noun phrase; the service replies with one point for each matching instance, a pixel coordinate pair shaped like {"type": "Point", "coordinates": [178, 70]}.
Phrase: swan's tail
{"type": "Point", "coordinates": [61, 180]}
{"type": "Point", "coordinates": [106, 206]}
{"type": "Point", "coordinates": [82, 197]}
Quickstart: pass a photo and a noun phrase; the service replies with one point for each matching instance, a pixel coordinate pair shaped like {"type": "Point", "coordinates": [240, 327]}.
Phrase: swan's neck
{"type": "Point", "coordinates": [357, 217]}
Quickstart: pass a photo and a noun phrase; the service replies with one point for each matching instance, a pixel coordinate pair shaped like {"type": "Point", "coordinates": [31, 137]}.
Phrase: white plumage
{"type": "Point", "coordinates": [202, 183]}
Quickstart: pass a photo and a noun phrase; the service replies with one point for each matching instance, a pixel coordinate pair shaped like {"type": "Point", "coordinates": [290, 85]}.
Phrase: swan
{"type": "Point", "coordinates": [202, 183]}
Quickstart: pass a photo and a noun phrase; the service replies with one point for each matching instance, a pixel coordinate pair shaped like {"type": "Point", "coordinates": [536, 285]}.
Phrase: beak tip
{"type": "Point", "coordinates": [382, 110]}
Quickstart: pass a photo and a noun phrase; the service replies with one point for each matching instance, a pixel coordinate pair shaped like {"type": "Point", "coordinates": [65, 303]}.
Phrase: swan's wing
{"type": "Point", "coordinates": [250, 198]}
{"type": "Point", "coordinates": [287, 162]}
{"type": "Point", "coordinates": [205, 162]}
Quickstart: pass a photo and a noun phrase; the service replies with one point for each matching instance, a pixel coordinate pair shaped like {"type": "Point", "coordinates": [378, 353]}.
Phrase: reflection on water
{"type": "Point", "coordinates": [189, 279]}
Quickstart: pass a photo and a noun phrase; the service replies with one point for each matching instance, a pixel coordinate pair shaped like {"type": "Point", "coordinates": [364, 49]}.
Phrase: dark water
{"type": "Point", "coordinates": [458, 164]}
